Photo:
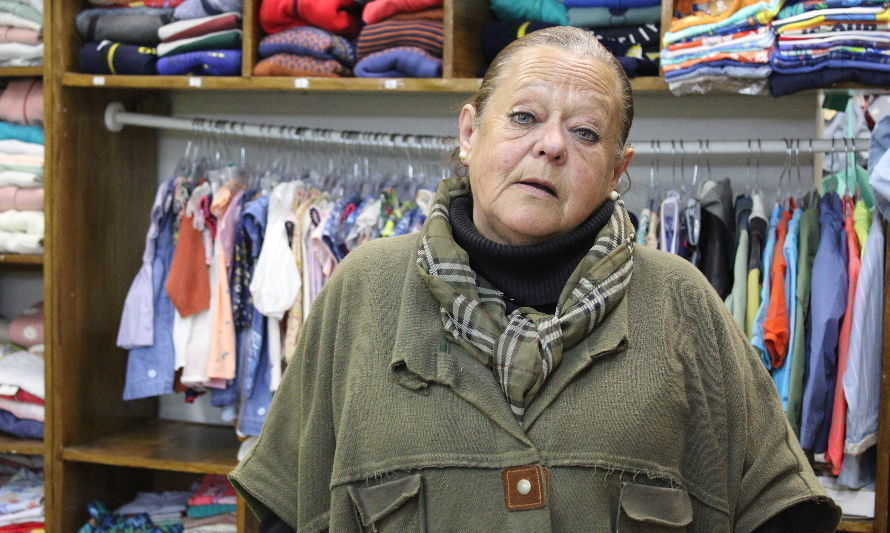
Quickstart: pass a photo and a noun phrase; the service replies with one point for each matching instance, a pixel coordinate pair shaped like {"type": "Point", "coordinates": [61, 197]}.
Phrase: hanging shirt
{"type": "Point", "coordinates": [302, 201]}
{"type": "Point", "coordinates": [137, 320]}
{"type": "Point", "coordinates": [828, 303]}
{"type": "Point", "coordinates": [643, 227]}
{"type": "Point", "coordinates": [775, 327]}
{"type": "Point", "coordinates": [808, 243]}
{"type": "Point", "coordinates": [862, 379]}
{"type": "Point", "coordinates": [835, 454]}
{"type": "Point", "coordinates": [670, 224]}
{"type": "Point", "coordinates": [782, 375]}
{"type": "Point", "coordinates": [276, 278]}
{"type": "Point", "coordinates": [757, 226]}
{"type": "Point", "coordinates": [766, 262]}
{"type": "Point", "coordinates": [717, 234]}
{"type": "Point", "coordinates": [150, 368]}
{"type": "Point", "coordinates": [737, 297]}
{"type": "Point", "coordinates": [861, 222]}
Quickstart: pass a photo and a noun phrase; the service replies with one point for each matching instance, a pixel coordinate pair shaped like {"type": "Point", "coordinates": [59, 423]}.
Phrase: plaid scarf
{"type": "Point", "coordinates": [525, 346]}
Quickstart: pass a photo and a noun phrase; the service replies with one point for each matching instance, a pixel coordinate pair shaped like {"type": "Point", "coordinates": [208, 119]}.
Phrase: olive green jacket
{"type": "Point", "coordinates": [663, 419]}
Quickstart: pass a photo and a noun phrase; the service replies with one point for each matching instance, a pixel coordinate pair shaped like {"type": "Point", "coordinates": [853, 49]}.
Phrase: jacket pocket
{"type": "Point", "coordinates": [650, 509]}
{"type": "Point", "coordinates": [396, 505]}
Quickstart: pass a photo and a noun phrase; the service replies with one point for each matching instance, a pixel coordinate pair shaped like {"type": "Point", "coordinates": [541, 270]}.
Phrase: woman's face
{"type": "Point", "coordinates": [542, 157]}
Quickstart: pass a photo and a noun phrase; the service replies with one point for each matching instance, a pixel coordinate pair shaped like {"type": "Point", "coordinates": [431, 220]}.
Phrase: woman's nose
{"type": "Point", "coordinates": [552, 144]}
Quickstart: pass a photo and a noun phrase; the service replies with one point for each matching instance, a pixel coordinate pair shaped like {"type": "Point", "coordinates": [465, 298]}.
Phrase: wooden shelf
{"type": "Point", "coordinates": [856, 526]}
{"type": "Point", "coordinates": [163, 445]}
{"type": "Point", "coordinates": [10, 444]}
{"type": "Point", "coordinates": [20, 72]}
{"type": "Point", "coordinates": [437, 85]}
{"type": "Point", "coordinates": [21, 259]}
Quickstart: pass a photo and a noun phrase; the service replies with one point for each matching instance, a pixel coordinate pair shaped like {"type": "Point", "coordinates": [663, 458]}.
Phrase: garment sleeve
{"type": "Point", "coordinates": [288, 472]}
{"type": "Point", "coordinates": [768, 473]}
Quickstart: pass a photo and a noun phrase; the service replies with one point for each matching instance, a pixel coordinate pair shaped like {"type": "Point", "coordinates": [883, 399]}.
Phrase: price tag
{"type": "Point", "coordinates": [301, 83]}
{"type": "Point", "coordinates": [98, 80]}
{"type": "Point", "coordinates": [194, 82]}
{"type": "Point", "coordinates": [391, 84]}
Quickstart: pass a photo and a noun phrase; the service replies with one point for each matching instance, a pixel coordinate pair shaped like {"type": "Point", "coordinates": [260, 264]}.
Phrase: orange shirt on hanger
{"type": "Point", "coordinates": [776, 329]}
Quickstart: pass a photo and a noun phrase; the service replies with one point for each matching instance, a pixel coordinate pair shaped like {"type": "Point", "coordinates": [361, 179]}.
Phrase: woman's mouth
{"type": "Point", "coordinates": [540, 188]}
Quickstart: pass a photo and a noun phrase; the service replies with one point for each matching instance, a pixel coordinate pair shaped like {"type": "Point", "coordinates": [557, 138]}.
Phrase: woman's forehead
{"type": "Point", "coordinates": [548, 68]}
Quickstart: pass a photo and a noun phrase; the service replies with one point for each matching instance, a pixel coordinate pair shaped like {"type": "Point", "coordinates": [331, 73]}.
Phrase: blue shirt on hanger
{"type": "Point", "coordinates": [828, 297]}
{"type": "Point", "coordinates": [782, 375]}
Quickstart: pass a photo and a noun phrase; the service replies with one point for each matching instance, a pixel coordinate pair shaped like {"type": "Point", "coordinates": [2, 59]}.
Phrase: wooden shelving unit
{"type": "Point", "coordinates": [21, 72]}
{"type": "Point", "coordinates": [21, 259]}
{"type": "Point", "coordinates": [98, 445]}
{"type": "Point", "coordinates": [10, 444]}
{"type": "Point", "coordinates": [163, 445]}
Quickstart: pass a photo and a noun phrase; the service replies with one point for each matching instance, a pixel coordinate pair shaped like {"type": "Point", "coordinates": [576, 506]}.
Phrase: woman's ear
{"type": "Point", "coordinates": [621, 165]}
{"type": "Point", "coordinates": [467, 128]}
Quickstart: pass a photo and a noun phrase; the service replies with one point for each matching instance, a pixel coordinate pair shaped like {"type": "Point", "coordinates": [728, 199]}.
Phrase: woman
{"type": "Point", "coordinates": [633, 401]}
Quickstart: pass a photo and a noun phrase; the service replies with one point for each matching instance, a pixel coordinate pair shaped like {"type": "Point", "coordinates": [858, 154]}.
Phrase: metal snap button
{"type": "Point", "coordinates": [524, 486]}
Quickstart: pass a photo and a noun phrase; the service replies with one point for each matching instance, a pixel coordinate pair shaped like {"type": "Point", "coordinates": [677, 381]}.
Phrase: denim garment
{"type": "Point", "coordinates": [766, 267]}
{"type": "Point", "coordinates": [782, 375]}
{"type": "Point", "coordinates": [789, 83]}
{"type": "Point", "coordinates": [253, 222]}
{"type": "Point", "coordinates": [879, 165]}
{"type": "Point", "coordinates": [828, 297]}
{"type": "Point", "coordinates": [137, 325]}
{"type": "Point", "coordinates": [256, 393]}
{"type": "Point", "coordinates": [725, 67]}
{"type": "Point", "coordinates": [862, 379]}
{"type": "Point", "coordinates": [150, 369]}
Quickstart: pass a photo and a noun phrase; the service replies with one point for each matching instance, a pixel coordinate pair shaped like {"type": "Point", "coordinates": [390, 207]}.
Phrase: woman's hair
{"type": "Point", "coordinates": [568, 39]}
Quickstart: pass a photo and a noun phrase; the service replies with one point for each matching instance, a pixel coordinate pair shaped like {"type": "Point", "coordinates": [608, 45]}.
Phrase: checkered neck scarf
{"type": "Point", "coordinates": [525, 346]}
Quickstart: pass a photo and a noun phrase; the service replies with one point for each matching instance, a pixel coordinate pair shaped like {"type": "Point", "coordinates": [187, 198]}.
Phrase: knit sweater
{"type": "Point", "coordinates": [662, 414]}
{"type": "Point", "coordinates": [532, 276]}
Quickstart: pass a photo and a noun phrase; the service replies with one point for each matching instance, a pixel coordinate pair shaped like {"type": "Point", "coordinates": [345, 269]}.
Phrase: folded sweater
{"type": "Point", "coordinates": [296, 65]}
{"type": "Point", "coordinates": [400, 62]}
{"type": "Point", "coordinates": [221, 40]}
{"type": "Point", "coordinates": [425, 34]}
{"type": "Point", "coordinates": [22, 102]}
{"type": "Point", "coordinates": [132, 25]}
{"type": "Point", "coordinates": [184, 29]}
{"type": "Point", "coordinates": [117, 58]}
{"type": "Point", "coordinates": [309, 41]}
{"type": "Point", "coordinates": [193, 9]}
{"type": "Point", "coordinates": [383, 9]}
{"type": "Point", "coordinates": [336, 16]}
{"type": "Point", "coordinates": [201, 63]}
{"type": "Point", "coordinates": [11, 34]}
{"type": "Point", "coordinates": [21, 199]}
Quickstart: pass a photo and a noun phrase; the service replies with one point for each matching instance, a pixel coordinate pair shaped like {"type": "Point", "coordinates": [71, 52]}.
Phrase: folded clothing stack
{"type": "Point", "coordinates": [305, 51]}
{"type": "Point", "coordinates": [104, 521]}
{"type": "Point", "coordinates": [308, 38]}
{"type": "Point", "coordinates": [21, 33]}
{"type": "Point", "coordinates": [636, 47]}
{"type": "Point", "coordinates": [21, 494]}
{"type": "Point", "coordinates": [212, 506]}
{"type": "Point", "coordinates": [401, 38]}
{"type": "Point", "coordinates": [719, 45]}
{"type": "Point", "coordinates": [22, 395]}
{"type": "Point", "coordinates": [162, 508]}
{"type": "Point", "coordinates": [820, 42]}
{"type": "Point", "coordinates": [21, 167]}
{"type": "Point", "coordinates": [197, 37]}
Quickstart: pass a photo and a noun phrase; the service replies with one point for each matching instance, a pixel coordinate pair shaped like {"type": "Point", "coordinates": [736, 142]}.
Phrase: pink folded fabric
{"type": "Point", "coordinates": [27, 328]}
{"type": "Point", "coordinates": [12, 34]}
{"type": "Point", "coordinates": [382, 9]}
{"type": "Point", "coordinates": [12, 197]}
{"type": "Point", "coordinates": [22, 102]}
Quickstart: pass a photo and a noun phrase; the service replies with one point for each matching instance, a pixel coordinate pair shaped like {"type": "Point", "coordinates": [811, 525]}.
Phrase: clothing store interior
{"type": "Point", "coordinates": [164, 273]}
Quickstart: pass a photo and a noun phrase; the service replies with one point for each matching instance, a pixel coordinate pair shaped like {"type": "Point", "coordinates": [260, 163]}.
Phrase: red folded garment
{"type": "Point", "coordinates": [336, 16]}
{"type": "Point", "coordinates": [24, 527]}
{"type": "Point", "coordinates": [24, 396]}
{"type": "Point", "coordinates": [381, 9]}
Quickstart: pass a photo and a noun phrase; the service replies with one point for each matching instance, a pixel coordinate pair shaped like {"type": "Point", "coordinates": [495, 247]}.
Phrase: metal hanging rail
{"type": "Point", "coordinates": [116, 117]}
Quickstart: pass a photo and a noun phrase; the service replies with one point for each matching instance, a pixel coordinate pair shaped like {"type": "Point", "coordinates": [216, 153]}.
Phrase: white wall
{"type": "Point", "coordinates": [717, 117]}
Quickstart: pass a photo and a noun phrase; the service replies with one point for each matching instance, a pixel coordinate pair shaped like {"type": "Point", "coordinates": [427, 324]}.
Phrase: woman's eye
{"type": "Point", "coordinates": [522, 117]}
{"type": "Point", "coordinates": [587, 134]}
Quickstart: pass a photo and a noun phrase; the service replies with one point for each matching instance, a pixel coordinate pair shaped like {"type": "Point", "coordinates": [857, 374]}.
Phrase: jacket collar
{"type": "Point", "coordinates": [421, 355]}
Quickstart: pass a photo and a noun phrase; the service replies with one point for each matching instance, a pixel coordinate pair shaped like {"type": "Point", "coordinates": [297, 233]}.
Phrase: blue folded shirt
{"type": "Point", "coordinates": [202, 63]}
{"type": "Point", "coordinates": [400, 62]}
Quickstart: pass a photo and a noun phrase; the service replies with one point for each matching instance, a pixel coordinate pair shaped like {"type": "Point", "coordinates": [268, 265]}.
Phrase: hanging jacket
{"type": "Point", "coordinates": [717, 235]}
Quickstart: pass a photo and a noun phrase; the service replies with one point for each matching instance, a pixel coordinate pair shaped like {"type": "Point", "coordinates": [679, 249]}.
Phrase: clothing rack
{"type": "Point", "coordinates": [116, 117]}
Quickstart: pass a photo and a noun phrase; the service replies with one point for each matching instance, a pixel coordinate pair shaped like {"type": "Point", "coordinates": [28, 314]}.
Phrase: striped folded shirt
{"type": "Point", "coordinates": [425, 34]}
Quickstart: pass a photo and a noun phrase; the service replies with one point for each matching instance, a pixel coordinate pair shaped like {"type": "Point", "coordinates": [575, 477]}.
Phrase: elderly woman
{"type": "Point", "coordinates": [520, 365]}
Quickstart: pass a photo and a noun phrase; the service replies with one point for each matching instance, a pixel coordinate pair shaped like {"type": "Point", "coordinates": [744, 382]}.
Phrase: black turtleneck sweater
{"type": "Point", "coordinates": [529, 276]}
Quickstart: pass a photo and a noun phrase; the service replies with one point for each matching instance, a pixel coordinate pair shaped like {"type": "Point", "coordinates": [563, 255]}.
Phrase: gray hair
{"type": "Point", "coordinates": [568, 39]}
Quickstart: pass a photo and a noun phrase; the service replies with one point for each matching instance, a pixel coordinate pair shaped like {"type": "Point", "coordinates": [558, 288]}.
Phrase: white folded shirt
{"type": "Point", "coordinates": [28, 222]}
{"type": "Point", "coordinates": [8, 19]}
{"type": "Point", "coordinates": [20, 243]}
{"type": "Point", "coordinates": [24, 370]}
{"type": "Point", "coordinates": [20, 179]}
{"type": "Point", "coordinates": [14, 146]}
